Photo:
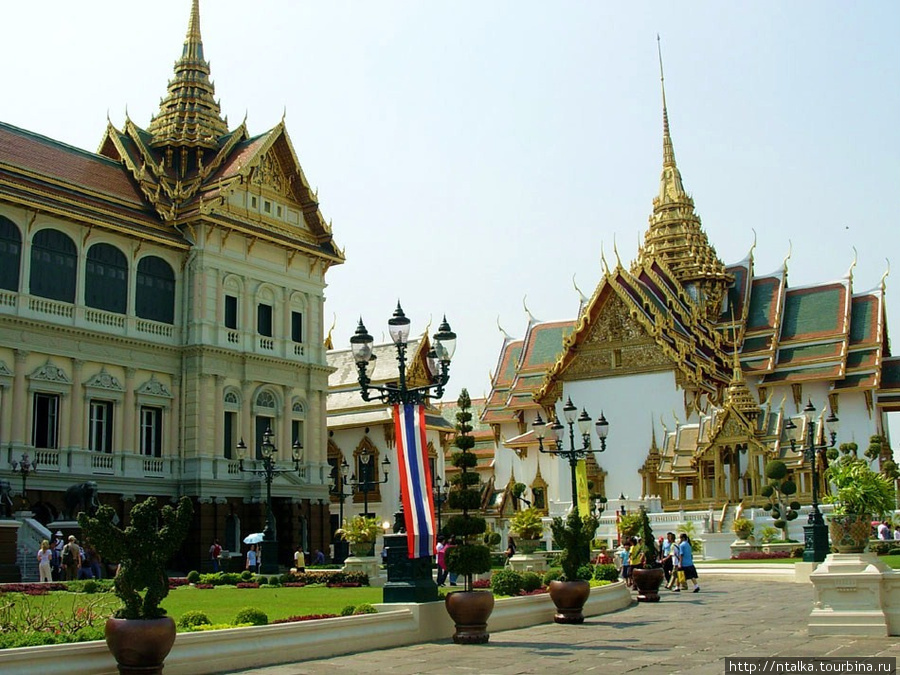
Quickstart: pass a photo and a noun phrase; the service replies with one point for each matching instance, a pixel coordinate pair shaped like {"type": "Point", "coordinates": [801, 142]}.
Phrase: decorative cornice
{"type": "Point", "coordinates": [50, 373]}
{"type": "Point", "coordinates": [104, 380]}
{"type": "Point", "coordinates": [154, 387]}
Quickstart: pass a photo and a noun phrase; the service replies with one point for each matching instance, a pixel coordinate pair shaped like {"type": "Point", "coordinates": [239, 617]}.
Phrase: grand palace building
{"type": "Point", "coordinates": [698, 366]}
{"type": "Point", "coordinates": [161, 300]}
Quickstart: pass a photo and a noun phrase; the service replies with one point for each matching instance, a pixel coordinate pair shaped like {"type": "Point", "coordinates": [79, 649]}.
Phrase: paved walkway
{"type": "Point", "coordinates": [684, 633]}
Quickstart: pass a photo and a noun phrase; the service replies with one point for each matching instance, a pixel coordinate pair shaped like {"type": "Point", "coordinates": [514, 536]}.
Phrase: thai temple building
{"type": "Point", "coordinates": [697, 365]}
{"type": "Point", "coordinates": [161, 300]}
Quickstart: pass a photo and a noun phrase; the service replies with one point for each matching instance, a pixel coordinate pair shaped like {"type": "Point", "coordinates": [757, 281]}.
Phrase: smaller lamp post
{"type": "Point", "coordinates": [440, 492]}
{"type": "Point", "coordinates": [573, 454]}
{"type": "Point", "coordinates": [815, 532]}
{"type": "Point", "coordinates": [366, 483]}
{"type": "Point", "coordinates": [341, 546]}
{"type": "Point", "coordinates": [268, 472]}
{"type": "Point", "coordinates": [24, 467]}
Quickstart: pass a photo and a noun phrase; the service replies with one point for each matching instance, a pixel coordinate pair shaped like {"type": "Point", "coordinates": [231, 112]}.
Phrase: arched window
{"type": "Point", "coordinates": [106, 279]}
{"type": "Point", "coordinates": [155, 299]}
{"type": "Point", "coordinates": [53, 265]}
{"type": "Point", "coordinates": [10, 254]}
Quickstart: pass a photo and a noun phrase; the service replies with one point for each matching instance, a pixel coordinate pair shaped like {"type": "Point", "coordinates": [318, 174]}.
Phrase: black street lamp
{"type": "Point", "coordinates": [268, 471]}
{"type": "Point", "coordinates": [409, 579]}
{"type": "Point", "coordinates": [367, 484]}
{"type": "Point", "coordinates": [24, 467]}
{"type": "Point", "coordinates": [573, 454]}
{"type": "Point", "coordinates": [440, 492]}
{"type": "Point", "coordinates": [815, 533]}
{"type": "Point", "coordinates": [341, 547]}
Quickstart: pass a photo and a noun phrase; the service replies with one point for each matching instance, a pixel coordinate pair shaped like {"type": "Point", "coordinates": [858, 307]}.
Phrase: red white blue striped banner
{"type": "Point", "coordinates": [415, 479]}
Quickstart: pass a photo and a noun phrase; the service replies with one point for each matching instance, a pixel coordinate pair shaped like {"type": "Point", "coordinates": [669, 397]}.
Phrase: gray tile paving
{"type": "Point", "coordinates": [684, 633]}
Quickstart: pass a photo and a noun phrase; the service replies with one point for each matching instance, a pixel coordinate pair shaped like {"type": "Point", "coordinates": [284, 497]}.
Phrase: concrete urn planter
{"type": "Point", "coordinates": [850, 532]}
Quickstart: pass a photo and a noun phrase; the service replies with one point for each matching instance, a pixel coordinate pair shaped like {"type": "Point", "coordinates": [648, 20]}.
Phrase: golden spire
{"type": "Point", "coordinates": [675, 235]}
{"type": "Point", "coordinates": [189, 116]}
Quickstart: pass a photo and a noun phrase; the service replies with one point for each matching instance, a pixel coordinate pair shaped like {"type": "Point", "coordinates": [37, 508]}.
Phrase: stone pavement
{"type": "Point", "coordinates": [683, 633]}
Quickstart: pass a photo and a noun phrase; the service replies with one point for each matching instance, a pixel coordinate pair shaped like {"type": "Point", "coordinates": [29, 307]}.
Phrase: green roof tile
{"type": "Point", "coordinates": [863, 319]}
{"type": "Point", "coordinates": [812, 311]}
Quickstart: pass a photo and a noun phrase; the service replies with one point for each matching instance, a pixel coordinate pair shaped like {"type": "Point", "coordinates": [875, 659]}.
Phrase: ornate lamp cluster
{"type": "Point", "coordinates": [24, 467]}
{"type": "Point", "coordinates": [439, 356]}
{"type": "Point", "coordinates": [816, 534]}
{"type": "Point", "coordinates": [366, 483]}
{"type": "Point", "coordinates": [573, 454]}
{"type": "Point", "coordinates": [268, 471]}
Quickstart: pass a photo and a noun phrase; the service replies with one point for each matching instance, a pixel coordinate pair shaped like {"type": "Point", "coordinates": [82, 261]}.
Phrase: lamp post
{"type": "Point", "coordinates": [268, 471]}
{"type": "Point", "coordinates": [815, 533]}
{"type": "Point", "coordinates": [366, 484]}
{"type": "Point", "coordinates": [24, 467]}
{"type": "Point", "coordinates": [341, 547]}
{"type": "Point", "coordinates": [440, 492]}
{"type": "Point", "coordinates": [409, 579]}
{"type": "Point", "coordinates": [573, 454]}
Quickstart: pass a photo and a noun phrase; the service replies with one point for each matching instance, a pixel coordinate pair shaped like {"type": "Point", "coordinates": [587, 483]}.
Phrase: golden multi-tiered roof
{"type": "Point", "coordinates": [676, 237]}
{"type": "Point", "coordinates": [189, 116]}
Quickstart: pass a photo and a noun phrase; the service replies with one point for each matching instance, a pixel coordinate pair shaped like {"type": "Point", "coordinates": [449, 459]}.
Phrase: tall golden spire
{"type": "Point", "coordinates": [675, 235]}
{"type": "Point", "coordinates": [189, 116]}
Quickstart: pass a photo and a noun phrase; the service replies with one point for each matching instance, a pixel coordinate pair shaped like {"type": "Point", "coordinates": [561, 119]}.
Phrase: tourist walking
{"type": "Point", "coordinates": [71, 558]}
{"type": "Point", "coordinates": [510, 551]}
{"type": "Point", "coordinates": [666, 556]}
{"type": "Point", "coordinates": [55, 562]}
{"type": "Point", "coordinates": [215, 550]}
{"type": "Point", "coordinates": [441, 560]}
{"type": "Point", "coordinates": [253, 559]}
{"type": "Point", "coordinates": [299, 559]}
{"type": "Point", "coordinates": [676, 581]}
{"type": "Point", "coordinates": [44, 556]}
{"type": "Point", "coordinates": [687, 562]}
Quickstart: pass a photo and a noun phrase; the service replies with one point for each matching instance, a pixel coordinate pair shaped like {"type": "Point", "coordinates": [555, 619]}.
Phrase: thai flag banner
{"type": "Point", "coordinates": [415, 479]}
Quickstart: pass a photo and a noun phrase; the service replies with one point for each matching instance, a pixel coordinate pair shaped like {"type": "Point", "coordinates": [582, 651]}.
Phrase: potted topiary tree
{"type": "Point", "coordinates": [360, 532]}
{"type": "Point", "coordinates": [469, 609]}
{"type": "Point", "coordinates": [742, 528]}
{"type": "Point", "coordinates": [647, 577]}
{"type": "Point", "coordinates": [859, 495]}
{"type": "Point", "coordinates": [778, 491]}
{"type": "Point", "coordinates": [569, 593]}
{"type": "Point", "coordinates": [528, 527]}
{"type": "Point", "coordinates": [140, 635]}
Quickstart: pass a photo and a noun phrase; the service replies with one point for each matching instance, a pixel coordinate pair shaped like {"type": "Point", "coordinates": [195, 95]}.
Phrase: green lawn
{"type": "Point", "coordinates": [223, 602]}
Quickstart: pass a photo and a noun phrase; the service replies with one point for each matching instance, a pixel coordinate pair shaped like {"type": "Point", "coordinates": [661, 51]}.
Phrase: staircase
{"type": "Point", "coordinates": [30, 536]}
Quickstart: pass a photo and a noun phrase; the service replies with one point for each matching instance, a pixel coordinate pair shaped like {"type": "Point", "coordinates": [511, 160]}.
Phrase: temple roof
{"type": "Point", "coordinates": [189, 115]}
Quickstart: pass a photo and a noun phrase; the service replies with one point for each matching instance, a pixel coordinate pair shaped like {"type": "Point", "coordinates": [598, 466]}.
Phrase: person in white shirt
{"type": "Point", "coordinates": [44, 555]}
{"type": "Point", "coordinates": [884, 532]}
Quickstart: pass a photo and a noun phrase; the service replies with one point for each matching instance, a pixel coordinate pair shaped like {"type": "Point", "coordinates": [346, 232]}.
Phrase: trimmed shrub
{"type": "Point", "coordinates": [330, 577]}
{"type": "Point", "coordinates": [193, 577]}
{"type": "Point", "coordinates": [506, 582]}
{"type": "Point", "coordinates": [365, 608]}
{"type": "Point", "coordinates": [192, 618]}
{"type": "Point", "coordinates": [246, 575]}
{"type": "Point", "coordinates": [552, 575]}
{"type": "Point", "coordinates": [252, 616]}
{"type": "Point", "coordinates": [531, 581]}
{"type": "Point", "coordinates": [348, 610]}
{"type": "Point", "coordinates": [606, 573]}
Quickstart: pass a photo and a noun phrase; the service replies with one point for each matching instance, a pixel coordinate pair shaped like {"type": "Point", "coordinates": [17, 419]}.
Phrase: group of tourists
{"type": "Point", "coordinates": [444, 545]}
{"type": "Point", "coordinates": [675, 556]}
{"type": "Point", "coordinates": [68, 560]}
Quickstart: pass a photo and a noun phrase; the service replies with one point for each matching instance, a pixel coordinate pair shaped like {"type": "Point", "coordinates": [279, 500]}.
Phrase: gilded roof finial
{"type": "Point", "coordinates": [603, 261]}
{"type": "Point", "coordinates": [753, 246]}
{"type": "Point", "coordinates": [581, 296]}
{"type": "Point", "coordinates": [506, 336]}
{"type": "Point", "coordinates": [886, 273]}
{"type": "Point", "coordinates": [616, 251]}
{"type": "Point", "coordinates": [853, 264]}
{"type": "Point", "coordinates": [531, 318]}
{"type": "Point", "coordinates": [329, 343]}
{"type": "Point", "coordinates": [668, 150]}
{"type": "Point", "coordinates": [189, 115]}
{"type": "Point", "coordinates": [788, 256]}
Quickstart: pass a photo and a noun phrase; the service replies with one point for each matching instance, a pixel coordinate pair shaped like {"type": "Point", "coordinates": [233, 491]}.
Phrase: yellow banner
{"type": "Point", "coordinates": [581, 482]}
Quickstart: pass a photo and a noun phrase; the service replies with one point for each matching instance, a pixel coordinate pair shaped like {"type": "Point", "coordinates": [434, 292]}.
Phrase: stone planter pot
{"type": "Point", "coordinates": [362, 549]}
{"type": "Point", "coordinates": [850, 532]}
{"type": "Point", "coordinates": [140, 646]}
{"type": "Point", "coordinates": [647, 582]}
{"type": "Point", "coordinates": [528, 545]}
{"type": "Point", "coordinates": [569, 598]}
{"type": "Point", "coordinates": [470, 611]}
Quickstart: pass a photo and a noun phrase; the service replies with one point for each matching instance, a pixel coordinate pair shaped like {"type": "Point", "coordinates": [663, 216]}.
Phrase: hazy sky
{"type": "Point", "coordinates": [470, 153]}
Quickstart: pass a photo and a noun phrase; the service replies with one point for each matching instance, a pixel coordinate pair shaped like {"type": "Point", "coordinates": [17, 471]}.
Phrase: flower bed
{"type": "Point", "coordinates": [305, 617]}
{"type": "Point", "coordinates": [761, 555]}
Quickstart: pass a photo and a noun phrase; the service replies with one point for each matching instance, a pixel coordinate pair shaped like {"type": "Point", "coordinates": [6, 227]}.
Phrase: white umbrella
{"type": "Point", "coordinates": [254, 538]}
